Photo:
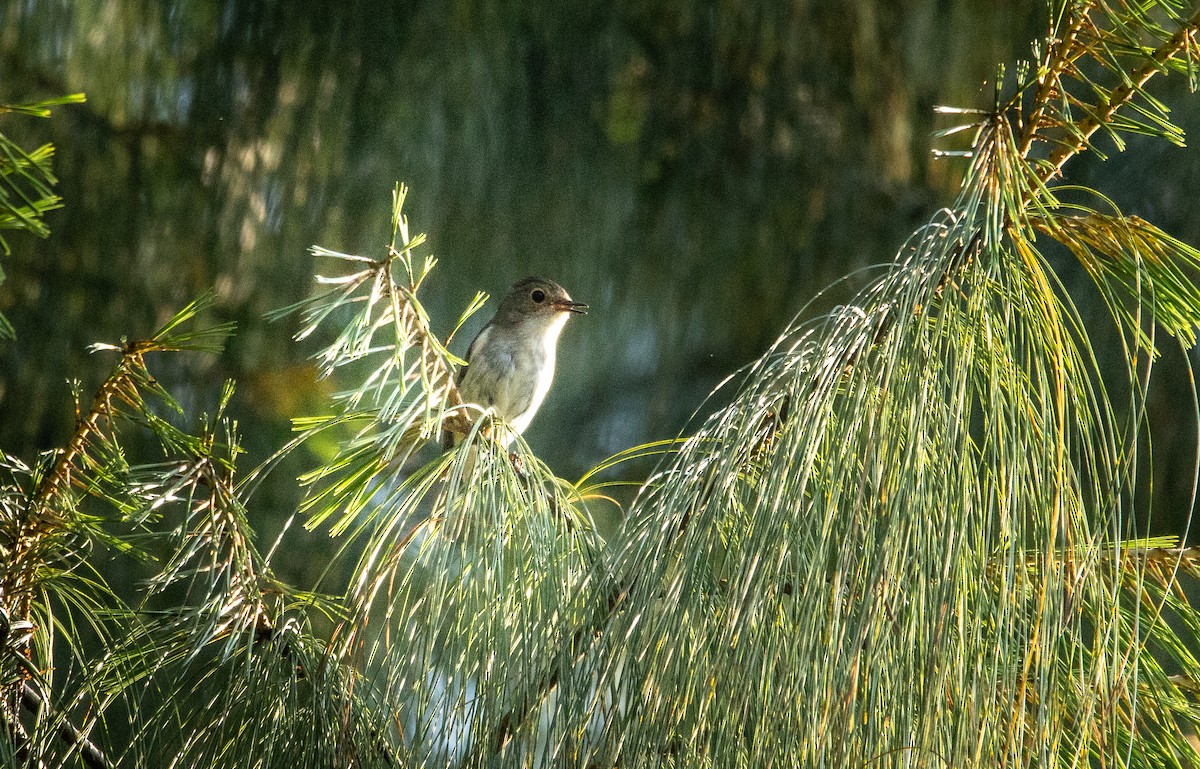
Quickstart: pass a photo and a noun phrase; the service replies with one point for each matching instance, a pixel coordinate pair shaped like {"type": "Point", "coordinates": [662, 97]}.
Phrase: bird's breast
{"type": "Point", "coordinates": [510, 373]}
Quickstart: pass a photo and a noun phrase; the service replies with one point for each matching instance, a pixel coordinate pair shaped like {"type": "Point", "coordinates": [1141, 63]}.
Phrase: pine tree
{"type": "Point", "coordinates": [909, 539]}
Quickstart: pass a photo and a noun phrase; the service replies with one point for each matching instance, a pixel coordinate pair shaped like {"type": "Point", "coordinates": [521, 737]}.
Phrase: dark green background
{"type": "Point", "coordinates": [696, 171]}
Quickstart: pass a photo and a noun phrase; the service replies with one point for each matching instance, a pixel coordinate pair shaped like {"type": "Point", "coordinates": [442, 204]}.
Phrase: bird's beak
{"type": "Point", "coordinates": [576, 307]}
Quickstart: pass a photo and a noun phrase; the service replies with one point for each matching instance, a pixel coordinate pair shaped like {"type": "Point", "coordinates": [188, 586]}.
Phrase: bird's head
{"type": "Point", "coordinates": [539, 301]}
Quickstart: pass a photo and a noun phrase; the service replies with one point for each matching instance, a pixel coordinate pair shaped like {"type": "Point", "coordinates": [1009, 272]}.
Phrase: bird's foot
{"type": "Point", "coordinates": [518, 465]}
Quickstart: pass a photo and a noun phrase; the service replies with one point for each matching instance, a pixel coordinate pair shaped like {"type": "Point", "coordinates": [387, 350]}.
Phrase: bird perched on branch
{"type": "Point", "coordinates": [510, 363]}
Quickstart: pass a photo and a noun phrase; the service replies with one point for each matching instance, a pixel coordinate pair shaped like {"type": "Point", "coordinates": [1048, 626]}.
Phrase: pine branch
{"type": "Point", "coordinates": [36, 703]}
{"type": "Point", "coordinates": [1164, 562]}
{"type": "Point", "coordinates": [1184, 37]}
{"type": "Point", "coordinates": [386, 303]}
{"type": "Point", "coordinates": [118, 386]}
{"type": "Point", "coordinates": [1068, 52]}
{"type": "Point", "coordinates": [26, 181]}
{"type": "Point", "coordinates": [39, 523]}
{"type": "Point", "coordinates": [433, 362]}
{"type": "Point", "coordinates": [770, 426]}
{"type": "Point", "coordinates": [40, 519]}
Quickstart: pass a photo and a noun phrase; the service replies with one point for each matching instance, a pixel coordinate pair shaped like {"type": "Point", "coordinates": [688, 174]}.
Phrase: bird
{"type": "Point", "coordinates": [510, 362]}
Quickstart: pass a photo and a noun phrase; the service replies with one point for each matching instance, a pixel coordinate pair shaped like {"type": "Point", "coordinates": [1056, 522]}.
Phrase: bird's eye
{"type": "Point", "coordinates": [538, 295]}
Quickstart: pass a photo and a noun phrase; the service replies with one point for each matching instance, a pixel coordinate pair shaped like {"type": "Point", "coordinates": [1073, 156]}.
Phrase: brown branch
{"type": "Point", "coordinates": [1121, 95]}
{"type": "Point", "coordinates": [39, 518]}
{"type": "Point", "coordinates": [1049, 83]}
{"type": "Point", "coordinates": [101, 409]}
{"type": "Point", "coordinates": [36, 703]}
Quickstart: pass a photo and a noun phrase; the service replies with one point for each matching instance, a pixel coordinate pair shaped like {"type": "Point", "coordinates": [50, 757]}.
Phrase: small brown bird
{"type": "Point", "coordinates": [510, 363]}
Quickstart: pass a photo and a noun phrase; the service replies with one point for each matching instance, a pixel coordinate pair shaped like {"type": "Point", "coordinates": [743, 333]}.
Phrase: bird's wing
{"type": "Point", "coordinates": [462, 370]}
{"type": "Point", "coordinates": [459, 377]}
